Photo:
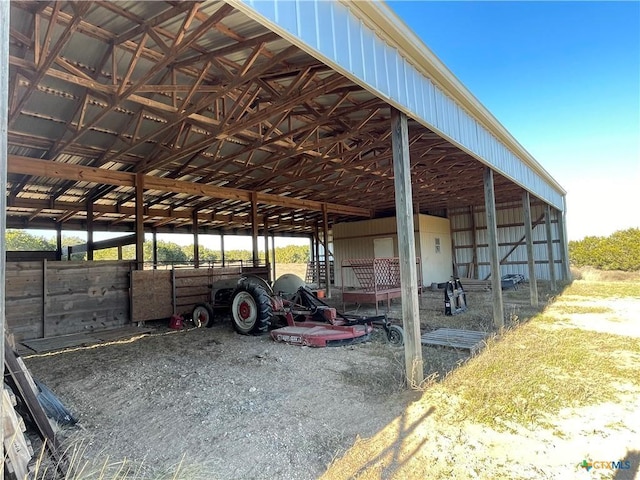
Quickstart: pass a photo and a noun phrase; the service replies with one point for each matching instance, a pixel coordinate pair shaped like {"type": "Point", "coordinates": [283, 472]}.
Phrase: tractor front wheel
{"type": "Point", "coordinates": [202, 315]}
{"type": "Point", "coordinates": [251, 309]}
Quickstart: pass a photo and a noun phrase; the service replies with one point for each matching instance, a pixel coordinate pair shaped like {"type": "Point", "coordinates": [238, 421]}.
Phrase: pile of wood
{"type": "Point", "coordinates": [473, 285]}
{"type": "Point", "coordinates": [20, 388]}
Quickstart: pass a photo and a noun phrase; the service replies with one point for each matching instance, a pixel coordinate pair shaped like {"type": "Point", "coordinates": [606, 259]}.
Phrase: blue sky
{"type": "Point", "coordinates": [564, 79]}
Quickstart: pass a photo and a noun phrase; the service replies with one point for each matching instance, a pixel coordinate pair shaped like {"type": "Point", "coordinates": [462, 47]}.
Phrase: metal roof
{"type": "Point", "coordinates": [253, 98]}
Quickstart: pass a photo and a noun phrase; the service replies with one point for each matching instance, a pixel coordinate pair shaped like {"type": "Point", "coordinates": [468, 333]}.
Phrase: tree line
{"type": "Point", "coordinates": [168, 252]}
{"type": "Point", "coordinates": [618, 251]}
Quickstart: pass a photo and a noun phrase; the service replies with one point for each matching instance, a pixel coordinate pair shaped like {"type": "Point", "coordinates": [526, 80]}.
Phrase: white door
{"type": "Point", "coordinates": [383, 247]}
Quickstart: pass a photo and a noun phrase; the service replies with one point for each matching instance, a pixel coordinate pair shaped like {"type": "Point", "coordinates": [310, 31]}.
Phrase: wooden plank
{"type": "Point", "coordinates": [552, 268]}
{"type": "Point", "coordinates": [46, 168]}
{"type": "Point", "coordinates": [454, 338]}
{"type": "Point", "coordinates": [492, 231]}
{"type": "Point", "coordinates": [139, 184]}
{"type": "Point", "coordinates": [33, 406]}
{"type": "Point", "coordinates": [17, 451]}
{"type": "Point", "coordinates": [406, 248]}
{"type": "Point", "coordinates": [151, 295]}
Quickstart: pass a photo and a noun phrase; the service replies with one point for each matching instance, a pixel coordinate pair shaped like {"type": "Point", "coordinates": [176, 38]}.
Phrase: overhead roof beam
{"type": "Point", "coordinates": [49, 169]}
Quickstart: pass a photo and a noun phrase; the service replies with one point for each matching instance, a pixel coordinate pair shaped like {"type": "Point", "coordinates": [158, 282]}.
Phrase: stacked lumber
{"type": "Point", "coordinates": [473, 285]}
{"type": "Point", "coordinates": [17, 447]}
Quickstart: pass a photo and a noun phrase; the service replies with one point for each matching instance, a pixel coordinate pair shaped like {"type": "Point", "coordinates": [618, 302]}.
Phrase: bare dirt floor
{"type": "Point", "coordinates": [227, 406]}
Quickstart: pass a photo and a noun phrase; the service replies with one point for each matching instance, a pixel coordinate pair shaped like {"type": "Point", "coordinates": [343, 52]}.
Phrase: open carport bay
{"type": "Point", "coordinates": [238, 406]}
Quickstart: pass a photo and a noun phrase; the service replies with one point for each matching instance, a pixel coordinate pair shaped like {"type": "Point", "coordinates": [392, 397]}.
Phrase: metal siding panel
{"type": "Point", "coordinates": [355, 47]}
{"type": "Point", "coordinates": [381, 66]}
{"type": "Point", "coordinates": [324, 22]}
{"type": "Point", "coordinates": [368, 53]}
{"type": "Point", "coordinates": [304, 19]}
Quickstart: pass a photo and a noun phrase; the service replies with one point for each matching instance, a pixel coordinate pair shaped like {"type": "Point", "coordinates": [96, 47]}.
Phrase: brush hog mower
{"type": "Point", "coordinates": [302, 318]}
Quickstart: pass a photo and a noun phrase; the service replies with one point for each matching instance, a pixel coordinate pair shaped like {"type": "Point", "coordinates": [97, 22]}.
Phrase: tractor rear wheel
{"type": "Point", "coordinates": [202, 315]}
{"type": "Point", "coordinates": [251, 309]}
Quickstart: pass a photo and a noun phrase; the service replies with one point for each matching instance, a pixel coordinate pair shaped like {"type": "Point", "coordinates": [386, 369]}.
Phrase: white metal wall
{"type": "Point", "coordinates": [331, 32]}
{"type": "Point", "coordinates": [510, 231]}
{"type": "Point", "coordinates": [355, 240]}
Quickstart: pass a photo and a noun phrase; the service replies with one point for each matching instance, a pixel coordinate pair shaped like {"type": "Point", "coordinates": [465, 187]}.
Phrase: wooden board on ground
{"type": "Point", "coordinates": [450, 337]}
{"type": "Point", "coordinates": [43, 345]}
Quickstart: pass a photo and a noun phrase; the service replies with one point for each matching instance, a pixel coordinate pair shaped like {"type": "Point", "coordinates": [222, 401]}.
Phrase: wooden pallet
{"type": "Point", "coordinates": [450, 337]}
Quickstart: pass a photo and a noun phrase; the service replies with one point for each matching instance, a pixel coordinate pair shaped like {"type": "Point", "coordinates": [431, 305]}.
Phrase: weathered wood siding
{"type": "Point", "coordinates": [152, 291]}
{"type": "Point", "coordinates": [45, 299]}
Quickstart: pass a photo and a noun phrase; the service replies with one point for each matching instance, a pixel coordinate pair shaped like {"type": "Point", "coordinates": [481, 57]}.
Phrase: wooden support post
{"type": "Point", "coordinates": [265, 221]}
{"type": "Point", "coordinates": [552, 266]}
{"type": "Point", "coordinates": [45, 298]}
{"type": "Point", "coordinates": [154, 247]}
{"type": "Point", "coordinates": [4, 118]}
{"type": "Point", "coordinates": [474, 242]}
{"type": "Point", "coordinates": [492, 236]}
{"type": "Point", "coordinates": [254, 227]}
{"type": "Point", "coordinates": [564, 248]}
{"type": "Point", "coordinates": [325, 236]}
{"type": "Point", "coordinates": [119, 247]}
{"type": "Point", "coordinates": [528, 233]}
{"type": "Point", "coordinates": [59, 241]}
{"type": "Point", "coordinates": [196, 246]}
{"type": "Point", "coordinates": [140, 221]}
{"type": "Point", "coordinates": [222, 249]}
{"type": "Point", "coordinates": [273, 251]}
{"type": "Point", "coordinates": [407, 249]}
{"type": "Point", "coordinates": [316, 265]}
{"type": "Point", "coordinates": [89, 230]}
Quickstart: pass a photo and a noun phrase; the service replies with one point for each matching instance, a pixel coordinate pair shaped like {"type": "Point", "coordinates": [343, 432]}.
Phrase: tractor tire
{"type": "Point", "coordinates": [395, 336]}
{"type": "Point", "coordinates": [202, 315]}
{"type": "Point", "coordinates": [251, 309]}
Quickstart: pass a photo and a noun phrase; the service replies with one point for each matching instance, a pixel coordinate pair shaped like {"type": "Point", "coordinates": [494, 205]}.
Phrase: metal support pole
{"type": "Point", "coordinates": [492, 234]}
{"type": "Point", "coordinates": [552, 266]}
{"type": "Point", "coordinates": [406, 249]}
{"type": "Point", "coordinates": [528, 234]}
{"type": "Point", "coordinates": [4, 115]}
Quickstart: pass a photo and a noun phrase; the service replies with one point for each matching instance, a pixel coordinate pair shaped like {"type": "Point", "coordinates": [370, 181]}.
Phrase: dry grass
{"type": "Point", "coordinates": [533, 372]}
{"type": "Point", "coordinates": [299, 269]}
{"type": "Point", "coordinates": [519, 383]}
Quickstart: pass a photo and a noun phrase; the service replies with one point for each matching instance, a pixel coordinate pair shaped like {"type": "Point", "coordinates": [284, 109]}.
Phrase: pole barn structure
{"type": "Point", "coordinates": [265, 116]}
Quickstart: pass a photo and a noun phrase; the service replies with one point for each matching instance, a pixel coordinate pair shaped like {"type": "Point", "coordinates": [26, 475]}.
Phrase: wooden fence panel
{"type": "Point", "coordinates": [47, 298]}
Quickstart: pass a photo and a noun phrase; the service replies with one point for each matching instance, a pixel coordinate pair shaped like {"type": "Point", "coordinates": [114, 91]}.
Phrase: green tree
{"type": "Point", "coordinates": [619, 251]}
{"type": "Point", "coordinates": [292, 254]}
{"type": "Point", "coordinates": [19, 240]}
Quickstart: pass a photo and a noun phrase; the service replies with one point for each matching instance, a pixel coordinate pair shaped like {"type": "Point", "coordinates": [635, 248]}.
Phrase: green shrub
{"type": "Point", "coordinates": [619, 251]}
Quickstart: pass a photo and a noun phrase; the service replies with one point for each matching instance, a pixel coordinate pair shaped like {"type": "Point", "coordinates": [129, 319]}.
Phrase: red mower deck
{"type": "Point", "coordinates": [313, 334]}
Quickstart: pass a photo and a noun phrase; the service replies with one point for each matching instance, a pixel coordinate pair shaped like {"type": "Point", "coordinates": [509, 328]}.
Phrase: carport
{"type": "Point", "coordinates": [262, 118]}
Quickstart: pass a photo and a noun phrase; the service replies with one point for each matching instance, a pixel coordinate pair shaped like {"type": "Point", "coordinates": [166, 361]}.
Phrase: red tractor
{"type": "Point", "coordinates": [294, 314]}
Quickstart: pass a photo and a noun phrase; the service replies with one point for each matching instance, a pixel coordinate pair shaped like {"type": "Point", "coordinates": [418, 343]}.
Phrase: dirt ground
{"type": "Point", "coordinates": [227, 406]}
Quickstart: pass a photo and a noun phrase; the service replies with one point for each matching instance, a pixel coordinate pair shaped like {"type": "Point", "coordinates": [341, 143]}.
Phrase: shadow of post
{"type": "Point", "coordinates": [633, 457]}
